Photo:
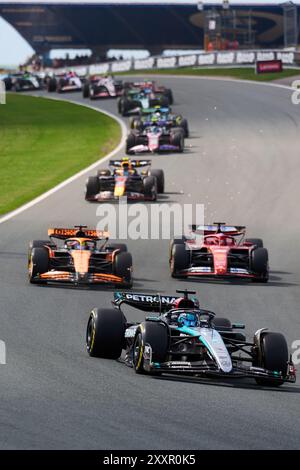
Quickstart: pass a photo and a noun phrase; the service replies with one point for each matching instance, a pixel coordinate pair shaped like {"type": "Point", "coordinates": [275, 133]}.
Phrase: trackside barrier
{"type": "Point", "coordinates": [217, 59]}
{"type": "Point", "coordinates": [2, 92]}
{"type": "Point", "coordinates": [2, 352]}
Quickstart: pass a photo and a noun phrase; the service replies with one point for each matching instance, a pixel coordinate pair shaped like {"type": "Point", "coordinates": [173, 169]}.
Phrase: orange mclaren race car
{"type": "Point", "coordinates": [79, 260]}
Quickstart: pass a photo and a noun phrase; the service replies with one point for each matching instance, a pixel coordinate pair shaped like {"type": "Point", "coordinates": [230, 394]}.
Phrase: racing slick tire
{"type": "Point", "coordinates": [135, 123]}
{"type": "Point", "coordinates": [184, 125]}
{"type": "Point", "coordinates": [123, 106]}
{"type": "Point", "coordinates": [160, 178]}
{"type": "Point", "coordinates": [177, 240]}
{"type": "Point", "coordinates": [260, 264]}
{"type": "Point", "coordinates": [150, 188]}
{"type": "Point", "coordinates": [177, 139]}
{"type": "Point", "coordinates": [274, 356]}
{"type": "Point", "coordinates": [169, 94]}
{"type": "Point", "coordinates": [60, 85]}
{"type": "Point", "coordinates": [92, 187]}
{"type": "Point", "coordinates": [156, 335]}
{"type": "Point", "coordinates": [105, 333]}
{"type": "Point", "coordinates": [122, 266]}
{"type": "Point", "coordinates": [255, 241]}
{"type": "Point", "coordinates": [86, 91]}
{"type": "Point", "coordinates": [52, 84]}
{"type": "Point", "coordinates": [180, 260]}
{"type": "Point", "coordinates": [38, 244]}
{"type": "Point", "coordinates": [38, 263]}
{"type": "Point", "coordinates": [122, 247]}
{"type": "Point", "coordinates": [130, 142]}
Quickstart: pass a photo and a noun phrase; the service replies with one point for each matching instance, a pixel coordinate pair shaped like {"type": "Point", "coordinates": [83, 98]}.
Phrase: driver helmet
{"type": "Point", "coordinates": [188, 319]}
{"type": "Point", "coordinates": [72, 245]}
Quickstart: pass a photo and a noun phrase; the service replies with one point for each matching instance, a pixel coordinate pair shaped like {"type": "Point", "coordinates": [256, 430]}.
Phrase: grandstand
{"type": "Point", "coordinates": [153, 25]}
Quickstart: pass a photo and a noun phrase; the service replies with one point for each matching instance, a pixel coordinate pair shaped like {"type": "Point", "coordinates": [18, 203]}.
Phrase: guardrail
{"type": "Point", "coordinates": [204, 59]}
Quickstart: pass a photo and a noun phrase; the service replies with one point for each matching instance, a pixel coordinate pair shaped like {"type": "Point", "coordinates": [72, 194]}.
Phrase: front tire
{"type": "Point", "coordinates": [154, 334]}
{"type": "Point", "coordinates": [260, 264]}
{"type": "Point", "coordinates": [105, 333]}
{"type": "Point", "coordinates": [180, 260]}
{"type": "Point", "coordinates": [38, 264]}
{"type": "Point", "coordinates": [274, 357]}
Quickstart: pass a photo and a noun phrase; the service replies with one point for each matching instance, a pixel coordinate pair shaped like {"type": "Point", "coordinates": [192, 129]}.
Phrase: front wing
{"type": "Point", "coordinates": [78, 278]}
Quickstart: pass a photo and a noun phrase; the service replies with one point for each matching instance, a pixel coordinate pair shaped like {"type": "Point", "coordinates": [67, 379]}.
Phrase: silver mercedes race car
{"type": "Point", "coordinates": [180, 337]}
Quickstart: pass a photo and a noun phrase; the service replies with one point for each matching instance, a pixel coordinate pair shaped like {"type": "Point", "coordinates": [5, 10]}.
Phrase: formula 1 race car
{"type": "Point", "coordinates": [219, 251]}
{"type": "Point", "coordinates": [160, 117]}
{"type": "Point", "coordinates": [151, 85]}
{"type": "Point", "coordinates": [22, 82]}
{"type": "Point", "coordinates": [64, 83]}
{"type": "Point", "coordinates": [102, 87]}
{"type": "Point", "coordinates": [155, 139]}
{"type": "Point", "coordinates": [123, 179]}
{"type": "Point", "coordinates": [79, 260]}
{"type": "Point", "coordinates": [178, 337]}
{"type": "Point", "coordinates": [135, 100]}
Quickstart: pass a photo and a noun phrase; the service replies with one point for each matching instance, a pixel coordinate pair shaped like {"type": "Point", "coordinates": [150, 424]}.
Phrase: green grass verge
{"type": "Point", "coordinates": [238, 73]}
{"type": "Point", "coordinates": [43, 142]}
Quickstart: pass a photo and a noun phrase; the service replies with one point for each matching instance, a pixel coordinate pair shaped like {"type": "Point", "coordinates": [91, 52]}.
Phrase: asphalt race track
{"type": "Point", "coordinates": [242, 162]}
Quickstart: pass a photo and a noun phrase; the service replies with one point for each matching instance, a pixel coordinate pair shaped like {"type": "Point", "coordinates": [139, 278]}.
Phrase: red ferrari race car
{"type": "Point", "coordinates": [79, 260]}
{"type": "Point", "coordinates": [219, 251]}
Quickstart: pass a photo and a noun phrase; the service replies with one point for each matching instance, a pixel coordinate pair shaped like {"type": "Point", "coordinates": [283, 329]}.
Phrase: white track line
{"type": "Point", "coordinates": [43, 196]}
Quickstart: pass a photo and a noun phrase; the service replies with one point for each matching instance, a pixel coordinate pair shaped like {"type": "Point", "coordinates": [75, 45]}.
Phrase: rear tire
{"type": "Point", "coordinates": [86, 90]}
{"type": "Point", "coordinates": [274, 357]}
{"type": "Point", "coordinates": [184, 125]}
{"type": "Point", "coordinates": [105, 333]}
{"type": "Point", "coordinates": [150, 188]}
{"type": "Point", "coordinates": [154, 334]}
{"type": "Point", "coordinates": [180, 260]}
{"type": "Point", "coordinates": [52, 84]}
{"type": "Point", "coordinates": [160, 178]}
{"type": "Point", "coordinates": [122, 247]}
{"type": "Point", "coordinates": [123, 267]}
{"type": "Point", "coordinates": [92, 187]}
{"type": "Point", "coordinates": [255, 241]}
{"type": "Point", "coordinates": [177, 139]}
{"type": "Point", "coordinates": [130, 142]}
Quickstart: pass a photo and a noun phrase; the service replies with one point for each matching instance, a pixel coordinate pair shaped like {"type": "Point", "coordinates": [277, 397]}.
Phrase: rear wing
{"type": "Point", "coordinates": [218, 228]}
{"type": "Point", "coordinates": [134, 163]}
{"type": "Point", "coordinates": [145, 302]}
{"type": "Point", "coordinates": [81, 232]}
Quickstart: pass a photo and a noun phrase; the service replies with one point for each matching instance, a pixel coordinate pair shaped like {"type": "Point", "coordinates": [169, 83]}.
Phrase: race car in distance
{"type": "Point", "coordinates": [64, 83]}
{"type": "Point", "coordinates": [79, 260]}
{"type": "Point", "coordinates": [161, 117]}
{"type": "Point", "coordinates": [98, 86]}
{"type": "Point", "coordinates": [219, 251]}
{"type": "Point", "coordinates": [155, 139]}
{"type": "Point", "coordinates": [151, 85]}
{"type": "Point", "coordinates": [135, 100]}
{"type": "Point", "coordinates": [124, 179]}
{"type": "Point", "coordinates": [179, 337]}
{"type": "Point", "coordinates": [22, 82]}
